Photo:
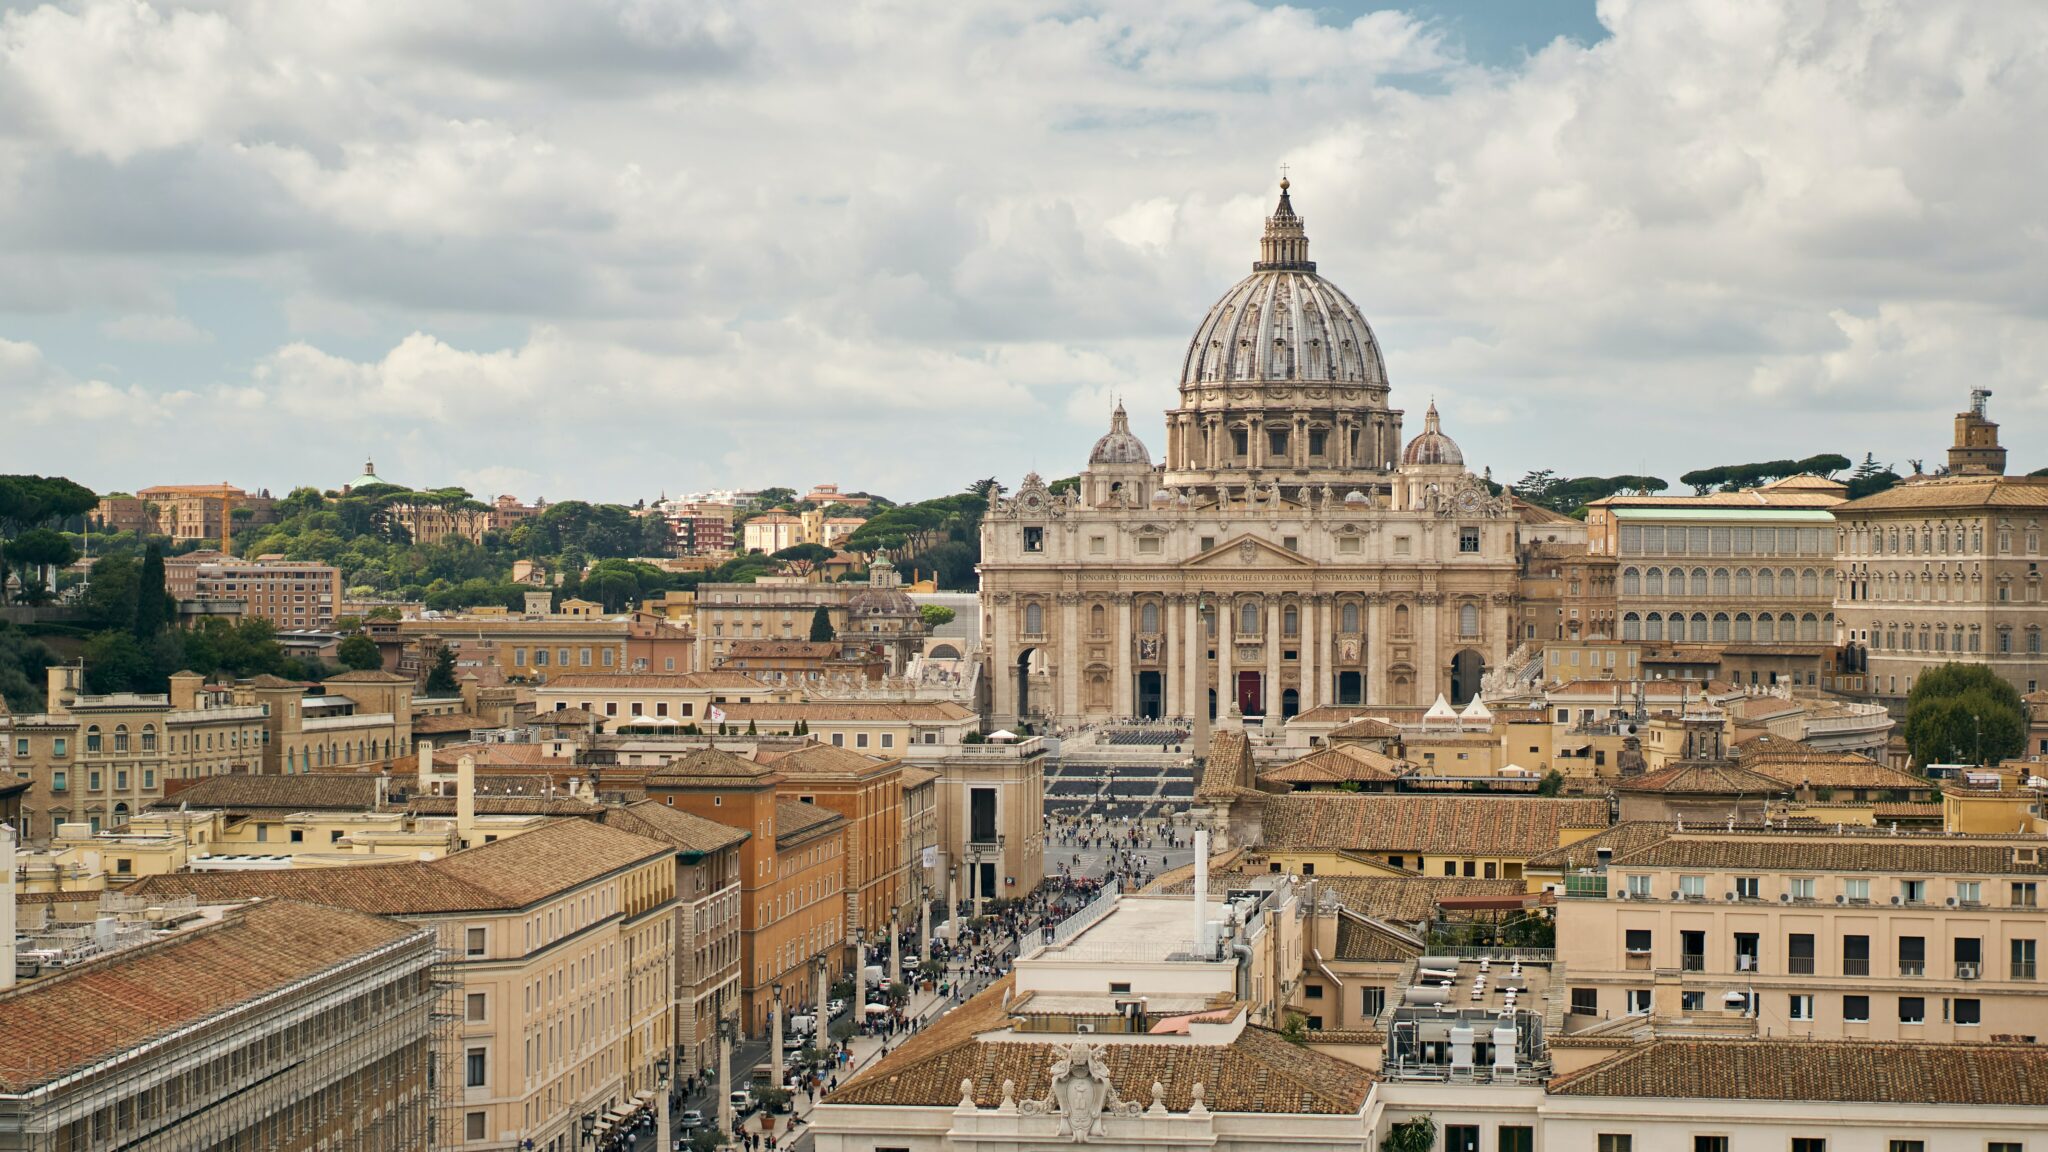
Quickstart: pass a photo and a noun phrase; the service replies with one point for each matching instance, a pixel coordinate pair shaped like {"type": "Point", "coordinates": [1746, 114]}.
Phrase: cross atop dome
{"type": "Point", "coordinates": [1284, 247]}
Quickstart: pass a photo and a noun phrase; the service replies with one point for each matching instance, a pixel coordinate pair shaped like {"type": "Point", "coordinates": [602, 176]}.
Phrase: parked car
{"type": "Point", "coordinates": [691, 1120]}
{"type": "Point", "coordinates": [835, 1007]}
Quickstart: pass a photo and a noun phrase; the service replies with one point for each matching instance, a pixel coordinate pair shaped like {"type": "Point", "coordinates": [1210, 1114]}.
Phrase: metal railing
{"type": "Point", "coordinates": [1090, 913]}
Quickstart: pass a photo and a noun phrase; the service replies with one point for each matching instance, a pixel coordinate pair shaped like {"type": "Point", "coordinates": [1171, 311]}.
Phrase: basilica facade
{"type": "Point", "coordinates": [1289, 552]}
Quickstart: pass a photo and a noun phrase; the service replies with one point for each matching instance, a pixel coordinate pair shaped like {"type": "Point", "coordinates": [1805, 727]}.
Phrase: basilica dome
{"type": "Point", "coordinates": [1283, 322]}
{"type": "Point", "coordinates": [1432, 447]}
{"type": "Point", "coordinates": [1120, 445]}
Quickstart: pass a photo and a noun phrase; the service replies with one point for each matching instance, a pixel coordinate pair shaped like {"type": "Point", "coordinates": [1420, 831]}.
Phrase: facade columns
{"type": "Point", "coordinates": [1193, 680]}
{"type": "Point", "coordinates": [1121, 639]}
{"type": "Point", "coordinates": [1429, 624]}
{"type": "Point", "coordinates": [1269, 691]}
{"type": "Point", "coordinates": [1070, 654]}
{"type": "Point", "coordinates": [1310, 639]}
{"type": "Point", "coordinates": [1169, 651]}
{"type": "Point", "coordinates": [1226, 645]}
{"type": "Point", "coordinates": [1002, 660]}
{"type": "Point", "coordinates": [1377, 690]}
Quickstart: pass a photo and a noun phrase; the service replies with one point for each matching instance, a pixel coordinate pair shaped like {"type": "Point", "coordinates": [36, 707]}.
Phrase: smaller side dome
{"type": "Point", "coordinates": [1433, 447]}
{"type": "Point", "coordinates": [1120, 446]}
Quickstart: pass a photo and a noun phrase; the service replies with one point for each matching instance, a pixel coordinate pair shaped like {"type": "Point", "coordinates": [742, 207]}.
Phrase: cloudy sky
{"type": "Point", "coordinates": [608, 248]}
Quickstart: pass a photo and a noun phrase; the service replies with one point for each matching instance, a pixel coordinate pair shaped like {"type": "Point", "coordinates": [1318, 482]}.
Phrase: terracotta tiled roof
{"type": "Point", "coordinates": [1259, 1072]}
{"type": "Point", "coordinates": [1228, 771]}
{"type": "Point", "coordinates": [1436, 825]}
{"type": "Point", "coordinates": [794, 820]}
{"type": "Point", "coordinates": [368, 676]}
{"type": "Point", "coordinates": [107, 1006]}
{"type": "Point", "coordinates": [1696, 778]}
{"type": "Point", "coordinates": [1365, 728]}
{"type": "Point", "coordinates": [1363, 940]}
{"type": "Point", "coordinates": [671, 681]}
{"type": "Point", "coordinates": [673, 826]}
{"type": "Point", "coordinates": [318, 791]}
{"type": "Point", "coordinates": [455, 722]}
{"type": "Point", "coordinates": [500, 804]}
{"type": "Point", "coordinates": [1829, 851]}
{"type": "Point", "coordinates": [1834, 1071]}
{"type": "Point", "coordinates": [914, 777]}
{"type": "Point", "coordinates": [566, 717]}
{"type": "Point", "coordinates": [1334, 765]}
{"type": "Point", "coordinates": [816, 759]}
{"type": "Point", "coordinates": [1954, 492]}
{"type": "Point", "coordinates": [1623, 838]}
{"type": "Point", "coordinates": [708, 766]}
{"type": "Point", "coordinates": [509, 873]}
{"type": "Point", "coordinates": [1796, 763]}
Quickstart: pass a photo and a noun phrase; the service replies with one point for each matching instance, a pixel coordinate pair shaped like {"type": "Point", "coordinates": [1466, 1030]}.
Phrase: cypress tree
{"type": "Point", "coordinates": [153, 606]}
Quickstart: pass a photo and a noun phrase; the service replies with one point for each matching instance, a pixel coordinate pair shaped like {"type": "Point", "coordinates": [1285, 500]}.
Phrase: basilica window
{"type": "Point", "coordinates": [1350, 618]}
{"type": "Point", "coordinates": [1248, 619]}
{"type": "Point", "coordinates": [1034, 618]}
{"type": "Point", "coordinates": [149, 737]}
{"type": "Point", "coordinates": [1631, 582]}
{"type": "Point", "coordinates": [92, 738]}
{"type": "Point", "coordinates": [1720, 626]}
{"type": "Point", "coordinates": [1699, 581]}
{"type": "Point", "coordinates": [1240, 444]}
{"type": "Point", "coordinates": [1276, 442]}
{"type": "Point", "coordinates": [1290, 622]}
{"type": "Point", "coordinates": [1098, 620]}
{"type": "Point", "coordinates": [1468, 540]}
{"type": "Point", "coordinates": [1148, 617]}
{"type": "Point", "coordinates": [120, 737]}
{"type": "Point", "coordinates": [1653, 628]}
{"type": "Point", "coordinates": [1400, 619]}
{"type": "Point", "coordinates": [1720, 581]}
{"type": "Point", "coordinates": [1742, 626]}
{"type": "Point", "coordinates": [1034, 539]}
{"type": "Point", "coordinates": [1766, 628]}
{"type": "Point", "coordinates": [1316, 438]}
{"type": "Point", "coordinates": [1468, 620]}
{"type": "Point", "coordinates": [1631, 627]}
{"type": "Point", "coordinates": [1653, 584]}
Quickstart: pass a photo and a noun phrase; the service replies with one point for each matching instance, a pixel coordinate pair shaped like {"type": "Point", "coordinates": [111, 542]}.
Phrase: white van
{"type": "Point", "coordinates": [742, 1102]}
{"type": "Point", "coordinates": [803, 1024]}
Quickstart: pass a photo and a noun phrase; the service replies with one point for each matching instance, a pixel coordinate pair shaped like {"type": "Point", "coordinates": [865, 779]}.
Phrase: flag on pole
{"type": "Point", "coordinates": [717, 714]}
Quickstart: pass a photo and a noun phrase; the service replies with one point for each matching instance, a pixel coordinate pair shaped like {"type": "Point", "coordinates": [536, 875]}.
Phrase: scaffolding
{"type": "Point", "coordinates": [332, 1060]}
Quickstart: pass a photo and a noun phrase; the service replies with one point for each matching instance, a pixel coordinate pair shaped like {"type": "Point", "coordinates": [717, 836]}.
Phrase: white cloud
{"type": "Point", "coordinates": [627, 245]}
{"type": "Point", "coordinates": [155, 328]}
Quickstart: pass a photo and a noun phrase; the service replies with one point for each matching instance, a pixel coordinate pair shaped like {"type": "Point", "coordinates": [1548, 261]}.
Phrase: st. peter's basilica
{"type": "Point", "coordinates": [1289, 552]}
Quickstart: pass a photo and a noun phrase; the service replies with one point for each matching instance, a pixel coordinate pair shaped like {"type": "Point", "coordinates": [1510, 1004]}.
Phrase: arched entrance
{"type": "Point", "coordinates": [1251, 694]}
{"type": "Point", "coordinates": [1466, 669]}
{"type": "Point", "coordinates": [1290, 704]}
{"type": "Point", "coordinates": [1024, 682]}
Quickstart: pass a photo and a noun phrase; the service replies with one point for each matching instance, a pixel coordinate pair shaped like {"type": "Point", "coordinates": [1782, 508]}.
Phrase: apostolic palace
{"type": "Point", "coordinates": [1289, 551]}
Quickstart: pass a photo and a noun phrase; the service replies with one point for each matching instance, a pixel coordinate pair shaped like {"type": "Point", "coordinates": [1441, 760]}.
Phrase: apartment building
{"type": "Point", "coordinates": [97, 759]}
{"type": "Point", "coordinates": [560, 943]}
{"type": "Point", "coordinates": [195, 511]}
{"type": "Point", "coordinates": [277, 1025]}
{"type": "Point", "coordinates": [528, 648]}
{"type": "Point", "coordinates": [989, 803]}
{"type": "Point", "coordinates": [1744, 579]}
{"type": "Point", "coordinates": [288, 593]}
{"type": "Point", "coordinates": [793, 874]}
{"type": "Point", "coordinates": [867, 792]}
{"type": "Point", "coordinates": [1946, 568]}
{"type": "Point", "coordinates": [354, 719]}
{"type": "Point", "coordinates": [1863, 934]}
{"type": "Point", "coordinates": [708, 940]}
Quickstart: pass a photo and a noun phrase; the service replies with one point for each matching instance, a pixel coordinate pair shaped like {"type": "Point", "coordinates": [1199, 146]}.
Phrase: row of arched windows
{"type": "Point", "coordinates": [1741, 627]}
{"type": "Point", "coordinates": [95, 743]}
{"type": "Point", "coordinates": [324, 755]}
{"type": "Point", "coordinates": [1724, 582]}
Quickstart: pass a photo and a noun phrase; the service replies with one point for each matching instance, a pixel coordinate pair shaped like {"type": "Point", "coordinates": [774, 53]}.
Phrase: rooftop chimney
{"type": "Point", "coordinates": [426, 751]}
{"type": "Point", "coordinates": [465, 799]}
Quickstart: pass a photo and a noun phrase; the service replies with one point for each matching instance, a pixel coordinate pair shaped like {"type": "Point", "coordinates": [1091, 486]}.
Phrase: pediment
{"type": "Point", "coordinates": [1248, 551]}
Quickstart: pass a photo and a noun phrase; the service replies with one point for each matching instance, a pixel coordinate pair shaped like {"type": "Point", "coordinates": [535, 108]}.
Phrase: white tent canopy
{"type": "Point", "coordinates": [1441, 710]}
{"type": "Point", "coordinates": [1002, 734]}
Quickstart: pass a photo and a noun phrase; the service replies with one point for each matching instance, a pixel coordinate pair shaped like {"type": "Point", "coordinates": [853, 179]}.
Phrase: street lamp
{"type": "Point", "coordinates": [589, 1128]}
{"type": "Point", "coordinates": [661, 1103]}
{"type": "Point", "coordinates": [727, 1031]}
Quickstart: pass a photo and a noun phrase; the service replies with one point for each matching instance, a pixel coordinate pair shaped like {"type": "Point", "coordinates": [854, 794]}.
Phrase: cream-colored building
{"type": "Point", "coordinates": [871, 614]}
{"type": "Point", "coordinates": [990, 808]}
{"type": "Point", "coordinates": [560, 945]}
{"type": "Point", "coordinates": [1862, 934]}
{"type": "Point", "coordinates": [772, 532]}
{"type": "Point", "coordinates": [1946, 568]}
{"type": "Point", "coordinates": [97, 759]}
{"type": "Point", "coordinates": [1288, 553]}
{"type": "Point", "coordinates": [1743, 581]}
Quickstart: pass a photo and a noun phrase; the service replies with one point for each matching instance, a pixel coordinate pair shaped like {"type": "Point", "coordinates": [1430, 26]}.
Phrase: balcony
{"type": "Point", "coordinates": [1908, 968]}
{"type": "Point", "coordinates": [1692, 961]}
